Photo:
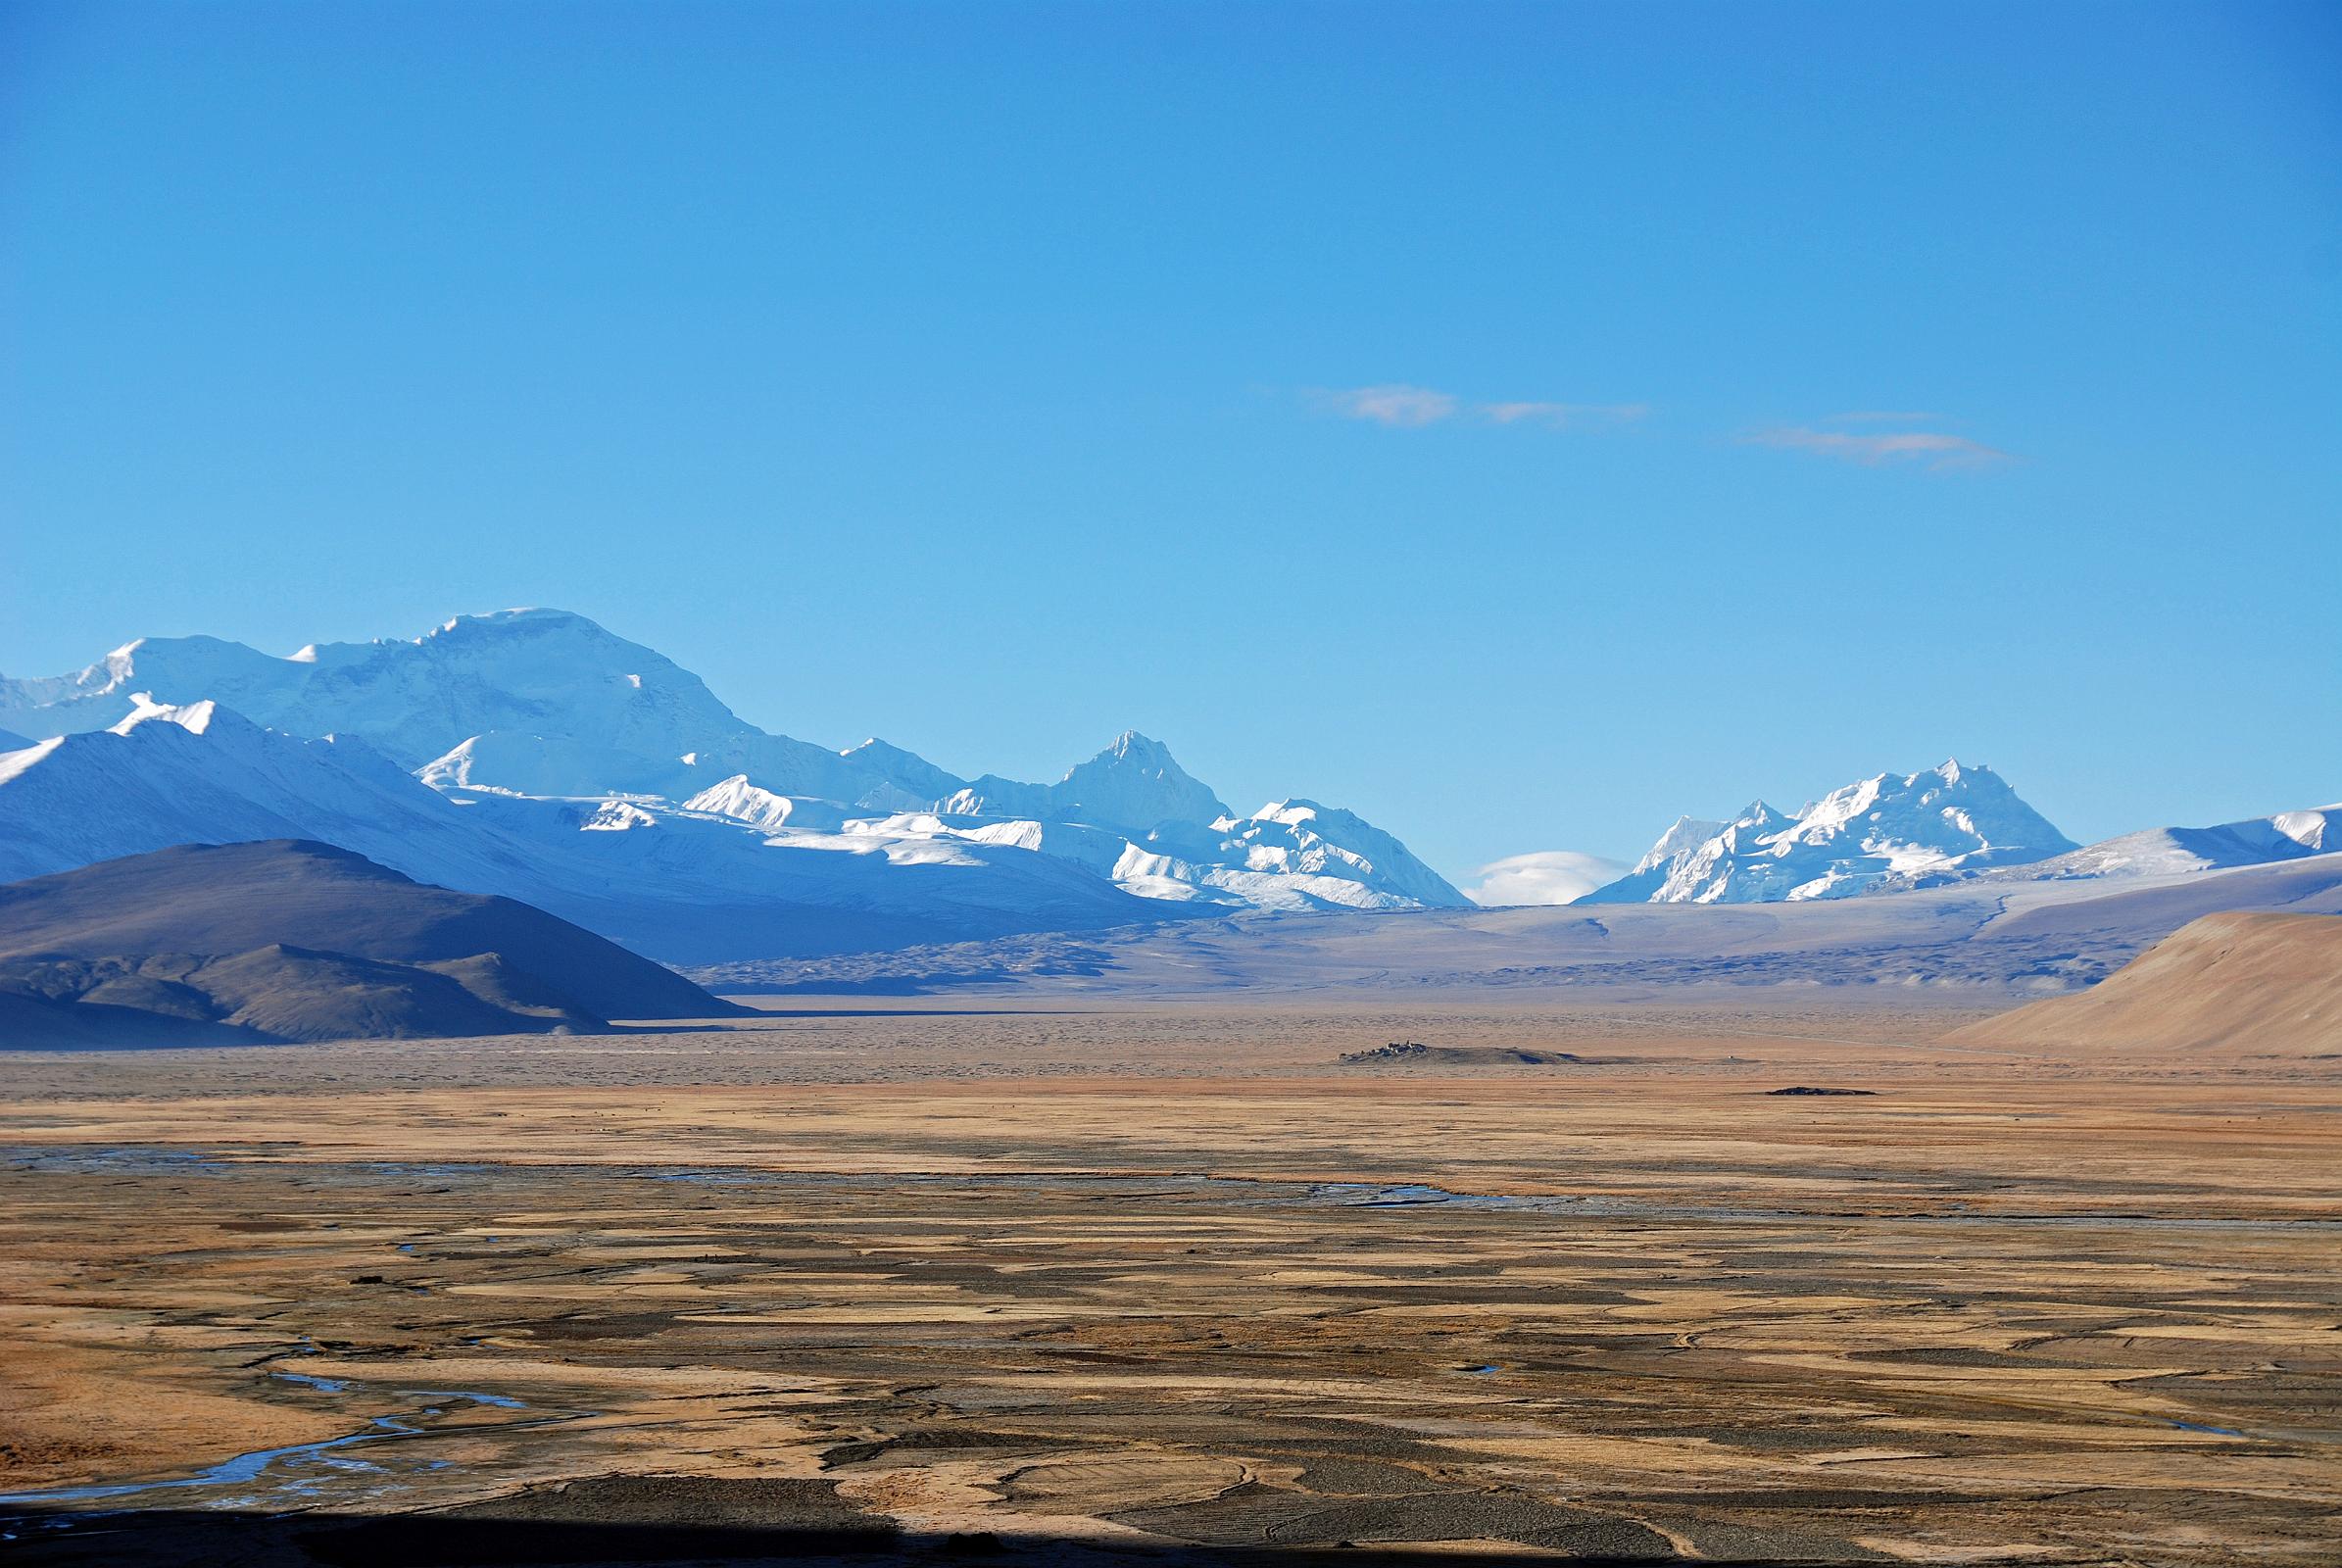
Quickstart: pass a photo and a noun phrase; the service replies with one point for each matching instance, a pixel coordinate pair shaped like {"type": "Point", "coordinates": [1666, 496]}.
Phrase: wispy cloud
{"type": "Point", "coordinates": [1562, 416]}
{"type": "Point", "coordinates": [1546, 876]}
{"type": "Point", "coordinates": [1935, 450]}
{"type": "Point", "coordinates": [1402, 406]}
{"type": "Point", "coordinates": [1395, 404]}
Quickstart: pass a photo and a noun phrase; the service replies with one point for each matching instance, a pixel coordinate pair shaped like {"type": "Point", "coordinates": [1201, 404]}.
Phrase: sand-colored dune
{"type": "Point", "coordinates": [2254, 983]}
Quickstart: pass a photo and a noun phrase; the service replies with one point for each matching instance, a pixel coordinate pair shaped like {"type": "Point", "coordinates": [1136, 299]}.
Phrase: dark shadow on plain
{"type": "Point", "coordinates": [884, 1012]}
{"type": "Point", "coordinates": [475, 1538]}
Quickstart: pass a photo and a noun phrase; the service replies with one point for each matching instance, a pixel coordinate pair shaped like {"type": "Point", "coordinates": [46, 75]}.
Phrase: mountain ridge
{"type": "Point", "coordinates": [547, 729]}
{"type": "Point", "coordinates": [1851, 840]}
{"type": "Point", "coordinates": [679, 886]}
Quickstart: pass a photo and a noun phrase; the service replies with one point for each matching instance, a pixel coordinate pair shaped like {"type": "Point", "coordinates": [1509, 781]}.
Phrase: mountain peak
{"type": "Point", "coordinates": [1954, 774]}
{"type": "Point", "coordinates": [524, 613]}
{"type": "Point", "coordinates": [1135, 783]}
{"type": "Point", "coordinates": [1683, 834]}
{"type": "Point", "coordinates": [1132, 747]}
{"type": "Point", "coordinates": [1339, 857]}
{"type": "Point", "coordinates": [512, 629]}
{"type": "Point", "coordinates": [1874, 833]}
{"type": "Point", "coordinates": [194, 717]}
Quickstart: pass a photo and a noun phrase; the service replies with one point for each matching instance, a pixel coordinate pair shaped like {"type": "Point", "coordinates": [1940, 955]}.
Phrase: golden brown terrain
{"type": "Point", "coordinates": [2234, 981]}
{"type": "Point", "coordinates": [1086, 1283]}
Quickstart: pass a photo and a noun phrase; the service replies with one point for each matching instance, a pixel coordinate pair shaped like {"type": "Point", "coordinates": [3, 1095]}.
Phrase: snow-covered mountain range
{"type": "Point", "coordinates": [1950, 824]}
{"type": "Point", "coordinates": [2165, 851]}
{"type": "Point", "coordinates": [534, 753]}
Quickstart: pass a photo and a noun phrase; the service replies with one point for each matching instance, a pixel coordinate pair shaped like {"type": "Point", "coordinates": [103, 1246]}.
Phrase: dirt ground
{"type": "Point", "coordinates": [1084, 1283]}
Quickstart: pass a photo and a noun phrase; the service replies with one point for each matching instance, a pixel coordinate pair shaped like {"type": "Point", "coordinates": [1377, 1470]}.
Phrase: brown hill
{"type": "Point", "coordinates": [288, 940]}
{"type": "Point", "coordinates": [2249, 982]}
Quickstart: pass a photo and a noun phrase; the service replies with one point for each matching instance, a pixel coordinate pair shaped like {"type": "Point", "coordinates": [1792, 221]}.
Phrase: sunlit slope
{"type": "Point", "coordinates": [2251, 983]}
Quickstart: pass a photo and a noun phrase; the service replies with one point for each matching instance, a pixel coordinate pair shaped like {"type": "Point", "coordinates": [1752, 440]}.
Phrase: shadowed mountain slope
{"type": "Point", "coordinates": [293, 940]}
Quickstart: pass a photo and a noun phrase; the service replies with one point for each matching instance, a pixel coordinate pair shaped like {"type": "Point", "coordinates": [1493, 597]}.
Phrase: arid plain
{"type": "Point", "coordinates": [1080, 1280]}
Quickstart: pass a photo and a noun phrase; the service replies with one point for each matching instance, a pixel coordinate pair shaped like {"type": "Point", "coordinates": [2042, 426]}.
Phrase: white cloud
{"type": "Point", "coordinates": [1403, 407]}
{"type": "Point", "coordinates": [1544, 876]}
{"type": "Point", "coordinates": [1398, 404]}
{"type": "Point", "coordinates": [1931, 448]}
{"type": "Point", "coordinates": [1562, 415]}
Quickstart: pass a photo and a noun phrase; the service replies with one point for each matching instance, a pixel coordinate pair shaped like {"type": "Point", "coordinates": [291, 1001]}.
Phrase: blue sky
{"type": "Point", "coordinates": [1517, 424]}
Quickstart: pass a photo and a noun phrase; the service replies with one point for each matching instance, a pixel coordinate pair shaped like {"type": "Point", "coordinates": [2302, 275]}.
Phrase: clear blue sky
{"type": "Point", "coordinates": [989, 378]}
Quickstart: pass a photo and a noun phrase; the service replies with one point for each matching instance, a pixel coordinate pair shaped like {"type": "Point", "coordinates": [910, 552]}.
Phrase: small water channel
{"type": "Point", "coordinates": [384, 1454]}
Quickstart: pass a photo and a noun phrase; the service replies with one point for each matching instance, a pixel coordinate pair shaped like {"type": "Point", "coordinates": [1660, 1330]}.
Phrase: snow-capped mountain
{"type": "Point", "coordinates": [1289, 854]}
{"type": "Point", "coordinates": [541, 731]}
{"type": "Point", "coordinates": [678, 885]}
{"type": "Point", "coordinates": [1651, 873]}
{"type": "Point", "coordinates": [1135, 784]}
{"type": "Point", "coordinates": [2161, 851]}
{"type": "Point", "coordinates": [1869, 836]}
{"type": "Point", "coordinates": [742, 802]}
{"type": "Point", "coordinates": [533, 701]}
{"type": "Point", "coordinates": [164, 776]}
{"type": "Point", "coordinates": [1325, 853]}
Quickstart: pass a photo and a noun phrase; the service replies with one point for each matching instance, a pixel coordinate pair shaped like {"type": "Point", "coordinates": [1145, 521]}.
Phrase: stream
{"type": "Point", "coordinates": [299, 1475]}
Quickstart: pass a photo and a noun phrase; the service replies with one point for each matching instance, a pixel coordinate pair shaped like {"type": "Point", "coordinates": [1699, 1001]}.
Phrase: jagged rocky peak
{"type": "Point", "coordinates": [1684, 833]}
{"type": "Point", "coordinates": [1134, 785]}
{"type": "Point", "coordinates": [1875, 833]}
{"type": "Point", "coordinates": [1135, 782]}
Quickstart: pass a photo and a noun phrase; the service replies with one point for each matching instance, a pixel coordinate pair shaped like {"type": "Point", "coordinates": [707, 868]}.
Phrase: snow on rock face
{"type": "Point", "coordinates": [2318, 831]}
{"type": "Point", "coordinates": [539, 702]}
{"type": "Point", "coordinates": [1135, 783]}
{"type": "Point", "coordinates": [1642, 884]}
{"type": "Point", "coordinates": [201, 774]}
{"type": "Point", "coordinates": [546, 704]}
{"type": "Point", "coordinates": [736, 798]}
{"type": "Point", "coordinates": [616, 713]}
{"type": "Point", "coordinates": [1295, 855]}
{"type": "Point", "coordinates": [1333, 855]}
{"type": "Point", "coordinates": [617, 816]}
{"type": "Point", "coordinates": [907, 771]}
{"type": "Point", "coordinates": [680, 886]}
{"type": "Point", "coordinates": [1687, 833]}
{"type": "Point", "coordinates": [1871, 836]}
{"type": "Point", "coordinates": [2186, 850]}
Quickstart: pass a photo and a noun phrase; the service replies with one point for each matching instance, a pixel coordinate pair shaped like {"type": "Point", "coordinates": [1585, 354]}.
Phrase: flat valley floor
{"type": "Point", "coordinates": [1069, 1282]}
